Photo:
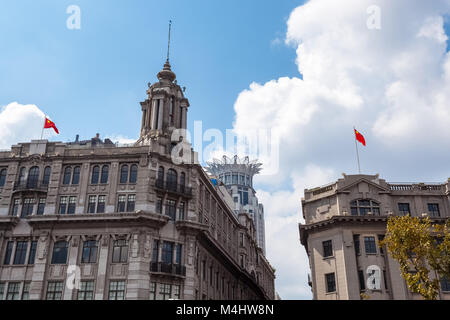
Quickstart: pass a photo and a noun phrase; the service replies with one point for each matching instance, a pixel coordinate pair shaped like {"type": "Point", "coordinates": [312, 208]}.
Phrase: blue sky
{"type": "Point", "coordinates": [392, 83]}
{"type": "Point", "coordinates": [92, 80]}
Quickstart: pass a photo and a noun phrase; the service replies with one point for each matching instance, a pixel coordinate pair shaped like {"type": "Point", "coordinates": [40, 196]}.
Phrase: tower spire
{"type": "Point", "coordinates": [168, 42]}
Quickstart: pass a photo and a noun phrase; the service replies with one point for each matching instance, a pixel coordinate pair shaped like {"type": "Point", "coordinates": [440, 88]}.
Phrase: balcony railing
{"type": "Point", "coordinates": [30, 185]}
{"type": "Point", "coordinates": [416, 187]}
{"type": "Point", "coordinates": [174, 188]}
{"type": "Point", "coordinates": [168, 268]}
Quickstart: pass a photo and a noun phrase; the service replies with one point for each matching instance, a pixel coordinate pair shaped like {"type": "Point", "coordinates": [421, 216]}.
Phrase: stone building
{"type": "Point", "coordinates": [93, 220]}
{"type": "Point", "coordinates": [237, 175]}
{"type": "Point", "coordinates": [344, 222]}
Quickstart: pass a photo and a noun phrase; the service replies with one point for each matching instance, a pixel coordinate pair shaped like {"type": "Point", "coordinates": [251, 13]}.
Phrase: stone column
{"type": "Point", "coordinates": [138, 284]}
{"type": "Point", "coordinates": [102, 268]}
{"type": "Point", "coordinates": [72, 261]}
{"type": "Point", "coordinates": [38, 285]}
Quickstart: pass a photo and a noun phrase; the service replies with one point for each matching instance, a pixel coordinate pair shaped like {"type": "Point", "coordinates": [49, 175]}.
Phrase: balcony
{"type": "Point", "coordinates": [174, 188]}
{"type": "Point", "coordinates": [30, 185]}
{"type": "Point", "coordinates": [168, 268]}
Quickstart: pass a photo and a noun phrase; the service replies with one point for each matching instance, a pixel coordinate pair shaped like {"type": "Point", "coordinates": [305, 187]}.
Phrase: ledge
{"type": "Point", "coordinates": [7, 222]}
{"type": "Point", "coordinates": [141, 217]}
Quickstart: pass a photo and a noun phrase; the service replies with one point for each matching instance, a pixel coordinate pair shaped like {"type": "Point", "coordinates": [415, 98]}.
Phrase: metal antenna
{"type": "Point", "coordinates": [168, 43]}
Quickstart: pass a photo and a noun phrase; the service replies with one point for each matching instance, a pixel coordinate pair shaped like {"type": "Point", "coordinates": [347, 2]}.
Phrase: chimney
{"type": "Point", "coordinates": [77, 137]}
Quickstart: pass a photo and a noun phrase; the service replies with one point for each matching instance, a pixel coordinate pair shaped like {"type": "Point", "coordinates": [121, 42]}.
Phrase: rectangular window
{"type": "Point", "coordinates": [165, 291]}
{"type": "Point", "coordinates": [370, 245]}
{"type": "Point", "coordinates": [155, 251]}
{"type": "Point", "coordinates": [330, 282]}
{"type": "Point", "coordinates": [26, 291]}
{"type": "Point", "coordinates": [13, 291]}
{"type": "Point", "coordinates": [159, 205]}
{"type": "Point", "coordinates": [403, 209]}
{"type": "Point", "coordinates": [327, 248]}
{"type": "Point", "coordinates": [211, 276]}
{"type": "Point", "coordinates": [204, 270]}
{"type": "Point", "coordinates": [55, 290]}
{"type": "Point", "coordinates": [101, 204]}
{"type": "Point", "coordinates": [28, 206]}
{"type": "Point", "coordinates": [21, 252]}
{"type": "Point", "coordinates": [445, 284]}
{"type": "Point", "coordinates": [178, 254]}
{"type": "Point", "coordinates": [131, 202]}
{"type": "Point", "coordinates": [32, 254]}
{"type": "Point", "coordinates": [91, 204]}
{"type": "Point", "coordinates": [89, 255]}
{"type": "Point", "coordinates": [433, 210]}
{"type": "Point", "coordinates": [176, 291]}
{"type": "Point", "coordinates": [2, 290]}
{"type": "Point", "coordinates": [86, 291]}
{"type": "Point", "coordinates": [41, 207]}
{"type": "Point", "coordinates": [120, 251]}
{"type": "Point", "coordinates": [117, 290]}
{"type": "Point", "coordinates": [152, 290]}
{"type": "Point", "coordinates": [15, 208]}
{"type": "Point", "coordinates": [72, 205]}
{"type": "Point", "coordinates": [385, 279]}
{"type": "Point", "coordinates": [181, 211]}
{"type": "Point", "coordinates": [8, 253]}
{"type": "Point", "coordinates": [235, 179]}
{"type": "Point", "coordinates": [356, 244]}
{"type": "Point", "coordinates": [167, 252]}
{"type": "Point", "coordinates": [60, 252]}
{"type": "Point", "coordinates": [362, 284]}
{"type": "Point", "coordinates": [121, 203]}
{"type": "Point", "coordinates": [381, 238]}
{"type": "Point", "coordinates": [170, 208]}
{"type": "Point", "coordinates": [62, 205]}
{"type": "Point", "coordinates": [241, 239]}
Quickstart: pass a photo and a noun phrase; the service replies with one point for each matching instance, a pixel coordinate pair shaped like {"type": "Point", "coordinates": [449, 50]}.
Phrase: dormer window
{"type": "Point", "coordinates": [363, 207]}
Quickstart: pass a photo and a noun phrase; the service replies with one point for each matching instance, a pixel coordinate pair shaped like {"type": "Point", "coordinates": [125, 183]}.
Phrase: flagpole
{"type": "Point", "coordinates": [357, 154]}
{"type": "Point", "coordinates": [42, 133]}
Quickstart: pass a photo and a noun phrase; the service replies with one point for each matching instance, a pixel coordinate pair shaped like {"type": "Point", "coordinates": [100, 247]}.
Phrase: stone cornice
{"type": "Point", "coordinates": [306, 229]}
{"type": "Point", "coordinates": [140, 218]}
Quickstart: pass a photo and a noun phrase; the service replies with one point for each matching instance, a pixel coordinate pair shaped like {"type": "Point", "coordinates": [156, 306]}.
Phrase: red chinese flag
{"type": "Point", "coordinates": [360, 137]}
{"type": "Point", "coordinates": [50, 124]}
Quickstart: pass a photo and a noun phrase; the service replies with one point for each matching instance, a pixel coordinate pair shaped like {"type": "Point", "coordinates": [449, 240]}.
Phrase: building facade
{"type": "Point", "coordinates": [93, 220]}
{"type": "Point", "coordinates": [237, 175]}
{"type": "Point", "coordinates": [344, 222]}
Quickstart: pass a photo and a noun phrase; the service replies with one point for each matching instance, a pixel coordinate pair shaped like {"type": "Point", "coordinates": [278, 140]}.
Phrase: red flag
{"type": "Point", "coordinates": [360, 137]}
{"type": "Point", "coordinates": [50, 124]}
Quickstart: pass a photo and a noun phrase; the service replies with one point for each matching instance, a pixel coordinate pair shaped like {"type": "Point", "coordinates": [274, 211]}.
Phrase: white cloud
{"type": "Point", "coordinates": [21, 123]}
{"type": "Point", "coordinates": [393, 84]}
{"type": "Point", "coordinates": [118, 138]}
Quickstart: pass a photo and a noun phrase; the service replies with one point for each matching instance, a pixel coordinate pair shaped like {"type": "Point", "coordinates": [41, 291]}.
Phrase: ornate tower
{"type": "Point", "coordinates": [164, 110]}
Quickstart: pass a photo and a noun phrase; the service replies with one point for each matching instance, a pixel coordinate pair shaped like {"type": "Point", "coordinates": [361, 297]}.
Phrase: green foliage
{"type": "Point", "coordinates": [412, 241]}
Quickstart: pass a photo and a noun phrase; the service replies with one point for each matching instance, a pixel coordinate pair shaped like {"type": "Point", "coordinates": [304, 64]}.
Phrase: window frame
{"type": "Point", "coordinates": [327, 249]}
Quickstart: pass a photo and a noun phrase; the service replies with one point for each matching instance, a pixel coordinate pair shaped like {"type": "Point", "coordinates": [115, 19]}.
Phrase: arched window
{"type": "Point", "coordinates": [46, 178]}
{"type": "Point", "coordinates": [76, 175]}
{"type": "Point", "coordinates": [363, 206]}
{"type": "Point", "coordinates": [2, 177]}
{"type": "Point", "coordinates": [22, 174]}
{"type": "Point", "coordinates": [33, 177]}
{"type": "Point", "coordinates": [105, 172]}
{"type": "Point", "coordinates": [161, 173]}
{"type": "Point", "coordinates": [133, 173]}
{"type": "Point", "coordinates": [95, 174]}
{"type": "Point", "coordinates": [124, 174]}
{"type": "Point", "coordinates": [67, 175]}
{"type": "Point", "coordinates": [171, 180]}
